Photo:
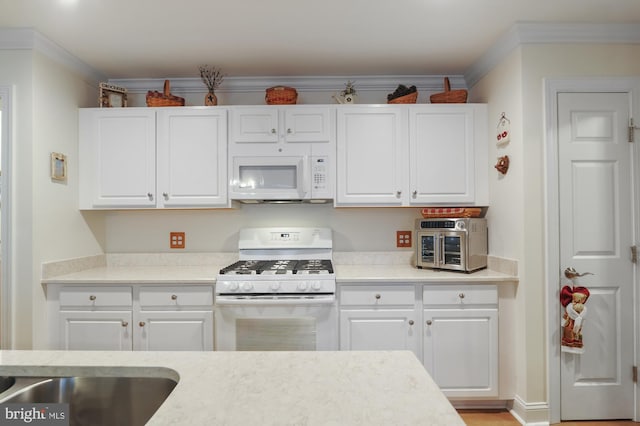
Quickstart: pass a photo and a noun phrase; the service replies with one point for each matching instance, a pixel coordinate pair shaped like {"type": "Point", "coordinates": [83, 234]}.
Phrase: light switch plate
{"type": "Point", "coordinates": [403, 239]}
{"type": "Point", "coordinates": [176, 240]}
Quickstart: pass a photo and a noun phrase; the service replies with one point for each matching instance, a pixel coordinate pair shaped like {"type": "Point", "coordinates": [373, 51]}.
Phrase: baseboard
{"type": "Point", "coordinates": [480, 404]}
{"type": "Point", "coordinates": [530, 414]}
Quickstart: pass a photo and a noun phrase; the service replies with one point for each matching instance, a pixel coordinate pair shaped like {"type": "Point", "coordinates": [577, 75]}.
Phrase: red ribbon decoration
{"type": "Point", "coordinates": [566, 294]}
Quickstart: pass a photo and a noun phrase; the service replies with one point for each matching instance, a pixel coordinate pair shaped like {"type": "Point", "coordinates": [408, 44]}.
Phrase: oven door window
{"type": "Point", "coordinates": [453, 250]}
{"type": "Point", "coordinates": [428, 249]}
{"type": "Point", "coordinates": [276, 334]}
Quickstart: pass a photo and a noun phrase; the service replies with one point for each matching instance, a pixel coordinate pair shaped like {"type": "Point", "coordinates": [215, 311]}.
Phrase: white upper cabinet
{"type": "Point", "coordinates": [273, 124]}
{"type": "Point", "coordinates": [445, 142]}
{"type": "Point", "coordinates": [192, 157]}
{"type": "Point", "coordinates": [418, 155]}
{"type": "Point", "coordinates": [153, 157]}
{"type": "Point", "coordinates": [371, 160]}
{"type": "Point", "coordinates": [117, 156]}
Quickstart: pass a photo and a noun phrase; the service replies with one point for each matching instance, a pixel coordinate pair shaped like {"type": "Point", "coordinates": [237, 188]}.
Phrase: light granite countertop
{"type": "Point", "coordinates": [207, 275]}
{"type": "Point", "coordinates": [265, 388]}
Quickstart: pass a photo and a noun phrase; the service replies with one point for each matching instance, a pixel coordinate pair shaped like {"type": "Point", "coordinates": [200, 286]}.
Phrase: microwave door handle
{"type": "Point", "coordinates": [441, 258]}
{"type": "Point", "coordinates": [306, 168]}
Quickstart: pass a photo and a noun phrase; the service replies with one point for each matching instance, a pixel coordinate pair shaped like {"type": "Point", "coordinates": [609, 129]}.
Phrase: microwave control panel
{"type": "Point", "coordinates": [320, 177]}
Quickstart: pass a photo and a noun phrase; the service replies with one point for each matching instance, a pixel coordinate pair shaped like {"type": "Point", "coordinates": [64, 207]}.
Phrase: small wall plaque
{"type": "Point", "coordinates": [58, 166]}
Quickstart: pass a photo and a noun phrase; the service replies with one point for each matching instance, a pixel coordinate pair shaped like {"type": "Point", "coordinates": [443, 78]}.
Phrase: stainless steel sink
{"type": "Point", "coordinates": [6, 382]}
{"type": "Point", "coordinates": [109, 401]}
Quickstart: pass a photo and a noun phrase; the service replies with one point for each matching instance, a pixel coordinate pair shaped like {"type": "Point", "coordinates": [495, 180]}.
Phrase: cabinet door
{"type": "Point", "coordinates": [441, 154]}
{"type": "Point", "coordinates": [305, 124]}
{"type": "Point", "coordinates": [98, 330]}
{"type": "Point", "coordinates": [174, 331]}
{"type": "Point", "coordinates": [192, 157]}
{"type": "Point", "coordinates": [379, 330]}
{"type": "Point", "coordinates": [117, 148]}
{"type": "Point", "coordinates": [254, 124]}
{"type": "Point", "coordinates": [461, 350]}
{"type": "Point", "coordinates": [371, 162]}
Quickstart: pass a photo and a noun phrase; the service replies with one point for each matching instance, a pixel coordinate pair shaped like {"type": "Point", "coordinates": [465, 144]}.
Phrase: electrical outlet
{"type": "Point", "coordinates": [176, 240]}
{"type": "Point", "coordinates": [403, 239]}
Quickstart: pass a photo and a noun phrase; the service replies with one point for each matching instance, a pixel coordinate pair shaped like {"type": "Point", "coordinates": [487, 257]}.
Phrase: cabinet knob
{"type": "Point", "coordinates": [461, 295]}
{"type": "Point", "coordinates": [92, 297]}
{"type": "Point", "coordinates": [398, 194]}
{"type": "Point", "coordinates": [125, 323]}
{"type": "Point", "coordinates": [377, 296]}
{"type": "Point", "coordinates": [410, 322]}
{"type": "Point", "coordinates": [150, 195]}
{"type": "Point", "coordinates": [142, 323]}
{"type": "Point", "coordinates": [414, 194]}
{"type": "Point", "coordinates": [174, 297]}
{"type": "Point", "coordinates": [165, 195]}
{"type": "Point", "coordinates": [289, 131]}
{"type": "Point", "coordinates": [273, 131]}
{"type": "Point", "coordinates": [429, 322]}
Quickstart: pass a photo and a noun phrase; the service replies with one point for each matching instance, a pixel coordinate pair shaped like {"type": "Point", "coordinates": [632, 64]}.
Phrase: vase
{"type": "Point", "coordinates": [211, 99]}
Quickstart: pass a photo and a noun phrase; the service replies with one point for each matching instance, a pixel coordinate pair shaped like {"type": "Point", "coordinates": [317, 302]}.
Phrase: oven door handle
{"type": "Point", "coordinates": [274, 300]}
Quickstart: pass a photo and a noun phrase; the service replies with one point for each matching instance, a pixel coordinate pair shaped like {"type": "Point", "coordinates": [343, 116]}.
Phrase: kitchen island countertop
{"type": "Point", "coordinates": [266, 388]}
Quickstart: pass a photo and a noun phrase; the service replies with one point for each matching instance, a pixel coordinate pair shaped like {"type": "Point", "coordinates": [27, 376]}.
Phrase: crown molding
{"type": "Point", "coordinates": [523, 33]}
{"type": "Point", "coordinates": [301, 83]}
{"type": "Point", "coordinates": [30, 39]}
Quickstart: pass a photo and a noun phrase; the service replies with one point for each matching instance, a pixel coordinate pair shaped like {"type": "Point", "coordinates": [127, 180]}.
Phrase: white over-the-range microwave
{"type": "Point", "coordinates": [291, 177]}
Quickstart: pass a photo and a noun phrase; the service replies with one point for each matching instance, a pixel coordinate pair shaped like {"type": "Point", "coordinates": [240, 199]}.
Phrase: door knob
{"type": "Point", "coordinates": [572, 273]}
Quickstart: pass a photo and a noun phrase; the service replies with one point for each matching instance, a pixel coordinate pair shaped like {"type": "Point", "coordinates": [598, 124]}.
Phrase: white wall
{"type": "Point", "coordinates": [16, 70]}
{"type": "Point", "coordinates": [517, 212]}
{"type": "Point", "coordinates": [60, 230]}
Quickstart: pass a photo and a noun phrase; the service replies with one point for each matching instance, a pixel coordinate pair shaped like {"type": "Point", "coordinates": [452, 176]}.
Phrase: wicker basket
{"type": "Point", "coordinates": [449, 96]}
{"type": "Point", "coordinates": [157, 99]}
{"type": "Point", "coordinates": [281, 95]}
{"type": "Point", "coordinates": [451, 212]}
{"type": "Point", "coordinates": [411, 98]}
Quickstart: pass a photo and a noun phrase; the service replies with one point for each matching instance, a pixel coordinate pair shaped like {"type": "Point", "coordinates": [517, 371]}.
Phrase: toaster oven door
{"type": "Point", "coordinates": [428, 249]}
{"type": "Point", "coordinates": [453, 252]}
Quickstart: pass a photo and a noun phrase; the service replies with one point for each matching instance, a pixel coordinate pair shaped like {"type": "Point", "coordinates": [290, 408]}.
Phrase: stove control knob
{"type": "Point", "coordinates": [316, 285]}
{"type": "Point", "coordinates": [302, 285]}
{"type": "Point", "coordinates": [246, 286]}
{"type": "Point", "coordinates": [232, 286]}
{"type": "Point", "coordinates": [275, 285]}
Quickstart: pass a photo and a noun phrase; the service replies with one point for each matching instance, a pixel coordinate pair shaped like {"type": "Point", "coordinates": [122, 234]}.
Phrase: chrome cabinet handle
{"type": "Point", "coordinates": [378, 296]}
{"type": "Point", "coordinates": [410, 322]}
{"type": "Point", "coordinates": [429, 322]}
{"type": "Point", "coordinates": [142, 323]}
{"type": "Point", "coordinates": [398, 194]}
{"type": "Point", "coordinates": [174, 297]}
{"type": "Point", "coordinates": [414, 194]}
{"type": "Point", "coordinates": [150, 195]}
{"type": "Point", "coordinates": [92, 297]}
{"type": "Point", "coordinates": [165, 195]}
{"type": "Point", "coordinates": [125, 323]}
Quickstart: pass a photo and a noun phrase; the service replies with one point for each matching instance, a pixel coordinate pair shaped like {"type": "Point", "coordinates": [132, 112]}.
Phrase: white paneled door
{"type": "Point", "coordinates": [596, 235]}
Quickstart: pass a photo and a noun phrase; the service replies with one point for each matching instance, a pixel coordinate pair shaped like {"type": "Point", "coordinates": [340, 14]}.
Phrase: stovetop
{"type": "Point", "coordinates": [279, 267]}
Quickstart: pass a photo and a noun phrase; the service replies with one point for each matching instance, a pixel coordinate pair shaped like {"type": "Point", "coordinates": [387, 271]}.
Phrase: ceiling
{"type": "Point", "coordinates": [170, 39]}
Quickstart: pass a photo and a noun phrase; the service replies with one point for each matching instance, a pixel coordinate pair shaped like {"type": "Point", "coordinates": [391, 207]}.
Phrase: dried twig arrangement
{"type": "Point", "coordinates": [211, 76]}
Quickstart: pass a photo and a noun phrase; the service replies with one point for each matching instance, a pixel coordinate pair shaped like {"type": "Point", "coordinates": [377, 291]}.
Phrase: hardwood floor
{"type": "Point", "coordinates": [504, 418]}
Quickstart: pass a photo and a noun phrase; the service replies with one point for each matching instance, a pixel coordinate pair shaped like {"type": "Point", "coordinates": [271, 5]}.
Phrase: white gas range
{"type": "Point", "coordinates": [280, 295]}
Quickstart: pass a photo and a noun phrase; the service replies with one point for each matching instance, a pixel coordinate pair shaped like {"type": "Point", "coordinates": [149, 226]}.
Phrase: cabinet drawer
{"type": "Point", "coordinates": [374, 295]}
{"type": "Point", "coordinates": [95, 296]}
{"type": "Point", "coordinates": [460, 295]}
{"type": "Point", "coordinates": [176, 296]}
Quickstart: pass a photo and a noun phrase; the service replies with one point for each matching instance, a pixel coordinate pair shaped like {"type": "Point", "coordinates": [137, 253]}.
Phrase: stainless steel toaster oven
{"type": "Point", "coordinates": [454, 244]}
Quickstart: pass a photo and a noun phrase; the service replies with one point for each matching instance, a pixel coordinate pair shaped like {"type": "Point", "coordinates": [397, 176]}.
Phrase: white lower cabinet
{"type": "Point", "coordinates": [460, 347]}
{"type": "Point", "coordinates": [131, 317]}
{"type": "Point", "coordinates": [452, 328]}
{"type": "Point", "coordinates": [379, 318]}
